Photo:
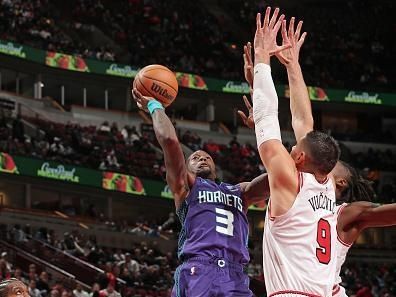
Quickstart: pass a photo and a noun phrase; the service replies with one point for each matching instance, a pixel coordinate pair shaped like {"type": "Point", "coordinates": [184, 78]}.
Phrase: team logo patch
{"type": "Point", "coordinates": [192, 272]}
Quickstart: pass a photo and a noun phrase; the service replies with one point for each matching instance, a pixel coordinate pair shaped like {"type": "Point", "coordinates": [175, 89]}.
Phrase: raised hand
{"type": "Point", "coordinates": [265, 38]}
{"type": "Point", "coordinates": [247, 120]}
{"type": "Point", "coordinates": [295, 39]}
{"type": "Point", "coordinates": [141, 101]}
{"type": "Point", "coordinates": [248, 63]}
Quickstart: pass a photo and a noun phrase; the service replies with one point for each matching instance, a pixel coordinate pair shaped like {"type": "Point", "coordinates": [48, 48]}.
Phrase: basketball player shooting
{"type": "Point", "coordinates": [213, 240]}
{"type": "Point", "coordinates": [353, 216]}
{"type": "Point", "coordinates": [300, 225]}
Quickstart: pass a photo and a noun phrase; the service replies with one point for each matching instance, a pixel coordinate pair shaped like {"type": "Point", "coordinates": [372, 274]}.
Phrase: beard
{"type": "Point", "coordinates": [204, 173]}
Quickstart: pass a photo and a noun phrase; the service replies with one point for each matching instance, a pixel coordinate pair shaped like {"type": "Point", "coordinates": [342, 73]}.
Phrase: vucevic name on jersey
{"type": "Point", "coordinates": [214, 223]}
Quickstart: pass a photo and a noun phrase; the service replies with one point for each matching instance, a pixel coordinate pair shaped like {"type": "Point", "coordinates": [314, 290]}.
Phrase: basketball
{"type": "Point", "coordinates": [157, 81]}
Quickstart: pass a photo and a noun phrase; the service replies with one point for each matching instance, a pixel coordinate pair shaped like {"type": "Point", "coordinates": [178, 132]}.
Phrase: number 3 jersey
{"type": "Point", "coordinates": [299, 247]}
{"type": "Point", "coordinates": [214, 223]}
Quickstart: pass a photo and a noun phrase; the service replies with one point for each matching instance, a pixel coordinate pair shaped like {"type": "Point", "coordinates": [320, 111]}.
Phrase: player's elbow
{"type": "Point", "coordinates": [303, 121]}
{"type": "Point", "coordinates": [168, 140]}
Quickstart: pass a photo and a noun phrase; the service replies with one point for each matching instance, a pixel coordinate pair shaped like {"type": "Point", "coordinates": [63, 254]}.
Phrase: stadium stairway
{"type": "Point", "coordinates": [22, 256]}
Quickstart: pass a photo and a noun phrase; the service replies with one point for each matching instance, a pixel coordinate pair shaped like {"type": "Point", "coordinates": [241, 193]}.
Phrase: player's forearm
{"type": "Point", "coordinates": [164, 129]}
{"type": "Point", "coordinates": [300, 104]}
{"type": "Point", "coordinates": [265, 105]}
{"type": "Point", "coordinates": [379, 216]}
{"type": "Point", "coordinates": [257, 190]}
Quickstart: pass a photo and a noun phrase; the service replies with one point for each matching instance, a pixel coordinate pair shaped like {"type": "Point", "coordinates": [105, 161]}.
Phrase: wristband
{"type": "Point", "coordinates": [153, 105]}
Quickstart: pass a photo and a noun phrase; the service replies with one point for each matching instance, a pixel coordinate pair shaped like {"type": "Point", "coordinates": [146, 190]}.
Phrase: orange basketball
{"type": "Point", "coordinates": [157, 81]}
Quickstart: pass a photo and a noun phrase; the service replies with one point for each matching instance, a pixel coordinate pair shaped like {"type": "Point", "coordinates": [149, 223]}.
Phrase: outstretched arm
{"type": "Point", "coordinates": [360, 215]}
{"type": "Point", "coordinates": [255, 191]}
{"type": "Point", "coordinates": [366, 214]}
{"type": "Point", "coordinates": [300, 104]}
{"type": "Point", "coordinates": [280, 166]}
{"type": "Point", "coordinates": [176, 171]}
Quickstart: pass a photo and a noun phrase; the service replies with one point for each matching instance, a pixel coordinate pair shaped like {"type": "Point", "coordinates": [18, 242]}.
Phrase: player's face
{"type": "Point", "coordinates": [17, 289]}
{"type": "Point", "coordinates": [341, 176]}
{"type": "Point", "coordinates": [201, 164]}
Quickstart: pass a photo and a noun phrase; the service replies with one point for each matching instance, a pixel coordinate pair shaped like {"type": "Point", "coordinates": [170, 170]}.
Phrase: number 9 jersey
{"type": "Point", "coordinates": [214, 223]}
{"type": "Point", "coordinates": [299, 247]}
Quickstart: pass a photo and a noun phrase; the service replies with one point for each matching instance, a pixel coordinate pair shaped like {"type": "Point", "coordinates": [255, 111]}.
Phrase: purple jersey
{"type": "Point", "coordinates": [214, 223]}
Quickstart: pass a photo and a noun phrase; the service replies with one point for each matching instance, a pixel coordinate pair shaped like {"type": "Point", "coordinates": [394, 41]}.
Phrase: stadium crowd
{"type": "Point", "coordinates": [130, 151]}
{"type": "Point", "coordinates": [148, 272]}
{"type": "Point", "coordinates": [35, 23]}
{"type": "Point", "coordinates": [338, 53]}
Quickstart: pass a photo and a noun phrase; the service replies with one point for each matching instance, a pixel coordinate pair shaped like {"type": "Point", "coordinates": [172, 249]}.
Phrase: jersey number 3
{"type": "Point", "coordinates": [226, 219]}
{"type": "Point", "coordinates": [323, 237]}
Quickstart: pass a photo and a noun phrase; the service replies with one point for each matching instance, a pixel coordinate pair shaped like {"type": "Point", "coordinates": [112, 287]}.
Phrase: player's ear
{"type": "Point", "coordinates": [341, 183]}
{"type": "Point", "coordinates": [300, 158]}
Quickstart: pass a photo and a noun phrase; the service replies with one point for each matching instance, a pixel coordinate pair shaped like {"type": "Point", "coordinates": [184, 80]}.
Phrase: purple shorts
{"type": "Point", "coordinates": [206, 277]}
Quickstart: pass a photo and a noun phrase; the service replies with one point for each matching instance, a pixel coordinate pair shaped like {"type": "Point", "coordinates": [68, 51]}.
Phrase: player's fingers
{"type": "Point", "coordinates": [302, 39]}
{"type": "Point", "coordinates": [258, 22]}
{"type": "Point", "coordinates": [247, 103]}
{"type": "Point", "coordinates": [274, 17]}
{"type": "Point", "coordinates": [291, 28]}
{"type": "Point", "coordinates": [284, 33]}
{"type": "Point", "coordinates": [280, 48]}
{"type": "Point", "coordinates": [243, 116]}
{"type": "Point", "coordinates": [137, 94]}
{"type": "Point", "coordinates": [266, 18]}
{"type": "Point", "coordinates": [278, 23]}
{"type": "Point", "coordinates": [298, 31]}
{"type": "Point", "coordinates": [245, 59]}
{"type": "Point", "coordinates": [249, 52]}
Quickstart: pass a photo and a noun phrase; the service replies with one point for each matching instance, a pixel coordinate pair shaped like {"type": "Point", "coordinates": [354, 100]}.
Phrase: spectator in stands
{"type": "Point", "coordinates": [4, 272]}
{"type": "Point", "coordinates": [95, 290]}
{"type": "Point", "coordinates": [109, 292]}
{"type": "Point", "coordinates": [42, 284]}
{"type": "Point", "coordinates": [4, 257]}
{"type": "Point", "coordinates": [19, 234]}
{"type": "Point", "coordinates": [33, 272]}
{"type": "Point", "coordinates": [79, 292]}
{"type": "Point", "coordinates": [19, 275]}
{"type": "Point", "coordinates": [55, 293]}
{"type": "Point", "coordinates": [33, 291]}
{"type": "Point", "coordinates": [105, 128]}
{"type": "Point", "coordinates": [57, 147]}
{"type": "Point", "coordinates": [18, 129]}
{"type": "Point", "coordinates": [129, 263]}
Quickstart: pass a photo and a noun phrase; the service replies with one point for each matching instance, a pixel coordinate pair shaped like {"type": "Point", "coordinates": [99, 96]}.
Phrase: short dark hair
{"type": "Point", "coordinates": [4, 286]}
{"type": "Point", "coordinates": [323, 151]}
{"type": "Point", "coordinates": [358, 189]}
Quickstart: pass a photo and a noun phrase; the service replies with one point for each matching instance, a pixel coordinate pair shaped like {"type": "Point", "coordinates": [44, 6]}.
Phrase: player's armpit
{"type": "Point", "coordinates": [256, 190]}
{"type": "Point", "coordinates": [283, 176]}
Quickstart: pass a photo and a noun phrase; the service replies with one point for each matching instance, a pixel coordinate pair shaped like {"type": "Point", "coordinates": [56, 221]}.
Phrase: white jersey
{"type": "Point", "coordinates": [342, 251]}
{"type": "Point", "coordinates": [299, 247]}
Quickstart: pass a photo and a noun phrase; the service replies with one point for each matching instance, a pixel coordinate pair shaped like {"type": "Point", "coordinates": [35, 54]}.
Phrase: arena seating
{"type": "Point", "coordinates": [337, 53]}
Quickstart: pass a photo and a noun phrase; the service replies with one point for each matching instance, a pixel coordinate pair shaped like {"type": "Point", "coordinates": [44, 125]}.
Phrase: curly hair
{"type": "Point", "coordinates": [359, 188]}
{"type": "Point", "coordinates": [4, 286]}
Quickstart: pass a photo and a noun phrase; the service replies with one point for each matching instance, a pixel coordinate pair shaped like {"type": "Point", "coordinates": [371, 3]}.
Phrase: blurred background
{"type": "Point", "coordinates": [84, 208]}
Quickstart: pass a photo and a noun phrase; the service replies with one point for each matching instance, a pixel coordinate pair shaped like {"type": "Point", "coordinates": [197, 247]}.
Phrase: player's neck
{"type": "Point", "coordinates": [320, 178]}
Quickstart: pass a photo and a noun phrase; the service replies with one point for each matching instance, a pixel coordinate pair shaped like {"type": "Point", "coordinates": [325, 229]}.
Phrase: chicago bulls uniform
{"type": "Point", "coordinates": [342, 250]}
{"type": "Point", "coordinates": [299, 247]}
